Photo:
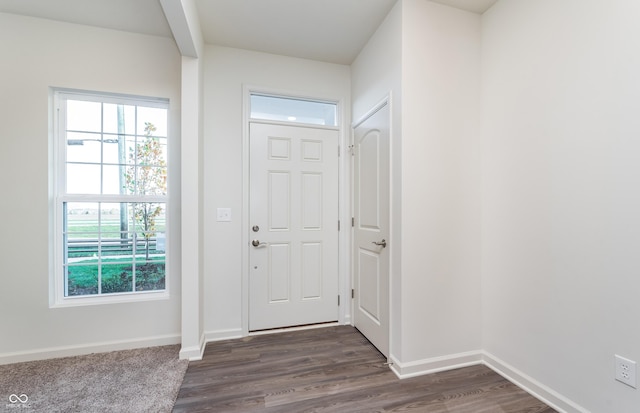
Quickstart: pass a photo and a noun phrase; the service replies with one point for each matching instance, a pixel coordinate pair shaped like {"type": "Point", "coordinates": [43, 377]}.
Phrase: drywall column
{"type": "Point", "coordinates": [183, 19]}
{"type": "Point", "coordinates": [440, 280]}
{"type": "Point", "coordinates": [192, 331]}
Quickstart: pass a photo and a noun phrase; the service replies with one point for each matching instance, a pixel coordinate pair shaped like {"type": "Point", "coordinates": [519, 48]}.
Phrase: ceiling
{"type": "Point", "coordinates": [326, 30]}
{"type": "Point", "coordinates": [475, 6]}
{"type": "Point", "coordinates": [138, 16]}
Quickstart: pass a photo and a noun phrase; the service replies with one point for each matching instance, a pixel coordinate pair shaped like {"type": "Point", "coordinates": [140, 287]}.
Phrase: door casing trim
{"type": "Point", "coordinates": [344, 201]}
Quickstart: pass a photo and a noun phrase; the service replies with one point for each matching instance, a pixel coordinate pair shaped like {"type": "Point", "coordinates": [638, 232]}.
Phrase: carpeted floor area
{"type": "Point", "coordinates": [142, 380]}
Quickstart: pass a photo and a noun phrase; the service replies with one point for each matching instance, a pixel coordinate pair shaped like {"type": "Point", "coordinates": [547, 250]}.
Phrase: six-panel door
{"type": "Point", "coordinates": [294, 226]}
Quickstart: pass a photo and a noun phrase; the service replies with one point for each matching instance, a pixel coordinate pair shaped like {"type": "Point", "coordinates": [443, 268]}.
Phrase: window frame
{"type": "Point", "coordinates": [292, 120]}
{"type": "Point", "coordinates": [58, 161]}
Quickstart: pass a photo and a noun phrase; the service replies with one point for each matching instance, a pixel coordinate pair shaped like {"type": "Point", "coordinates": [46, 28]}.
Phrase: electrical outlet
{"type": "Point", "coordinates": [626, 371]}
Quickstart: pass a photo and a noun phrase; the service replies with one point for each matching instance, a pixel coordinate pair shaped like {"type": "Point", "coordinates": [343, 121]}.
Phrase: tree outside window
{"type": "Point", "coordinates": [146, 175]}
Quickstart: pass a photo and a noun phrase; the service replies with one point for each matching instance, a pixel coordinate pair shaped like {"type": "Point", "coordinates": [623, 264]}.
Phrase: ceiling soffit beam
{"type": "Point", "coordinates": [182, 16]}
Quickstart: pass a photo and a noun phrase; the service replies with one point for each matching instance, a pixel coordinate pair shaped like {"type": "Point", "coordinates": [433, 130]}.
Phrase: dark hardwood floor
{"type": "Point", "coordinates": [334, 369]}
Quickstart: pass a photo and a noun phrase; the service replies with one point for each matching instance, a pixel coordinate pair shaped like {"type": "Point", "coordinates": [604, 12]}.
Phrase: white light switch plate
{"type": "Point", "coordinates": [224, 214]}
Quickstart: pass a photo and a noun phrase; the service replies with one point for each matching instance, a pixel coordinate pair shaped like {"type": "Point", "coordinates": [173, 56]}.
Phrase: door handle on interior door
{"type": "Point", "coordinates": [382, 243]}
{"type": "Point", "coordinates": [257, 243]}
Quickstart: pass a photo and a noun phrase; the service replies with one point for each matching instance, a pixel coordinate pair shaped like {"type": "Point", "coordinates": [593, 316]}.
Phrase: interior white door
{"type": "Point", "coordinates": [294, 226]}
{"type": "Point", "coordinates": [371, 232]}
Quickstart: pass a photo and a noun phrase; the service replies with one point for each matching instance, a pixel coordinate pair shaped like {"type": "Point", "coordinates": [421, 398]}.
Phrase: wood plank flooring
{"type": "Point", "coordinates": [334, 369]}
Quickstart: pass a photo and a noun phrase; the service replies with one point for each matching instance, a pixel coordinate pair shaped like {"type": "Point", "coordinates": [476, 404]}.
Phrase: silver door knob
{"type": "Point", "coordinates": [257, 243]}
{"type": "Point", "coordinates": [382, 243]}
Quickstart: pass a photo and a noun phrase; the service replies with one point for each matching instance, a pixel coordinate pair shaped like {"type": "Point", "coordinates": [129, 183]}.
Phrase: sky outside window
{"type": "Point", "coordinates": [100, 140]}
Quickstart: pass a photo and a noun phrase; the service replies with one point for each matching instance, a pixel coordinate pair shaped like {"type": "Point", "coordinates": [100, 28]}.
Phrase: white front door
{"type": "Point", "coordinates": [293, 213]}
{"type": "Point", "coordinates": [371, 233]}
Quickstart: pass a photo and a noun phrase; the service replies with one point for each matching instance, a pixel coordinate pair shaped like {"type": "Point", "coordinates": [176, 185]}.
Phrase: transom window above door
{"type": "Point", "coordinates": [287, 109]}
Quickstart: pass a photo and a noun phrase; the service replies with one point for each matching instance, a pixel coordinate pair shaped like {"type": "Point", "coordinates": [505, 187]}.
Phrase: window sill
{"type": "Point", "coordinates": [82, 301]}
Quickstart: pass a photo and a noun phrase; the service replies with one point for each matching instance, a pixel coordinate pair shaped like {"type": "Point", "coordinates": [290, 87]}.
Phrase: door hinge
{"type": "Point", "coordinates": [338, 225]}
{"type": "Point", "coordinates": [353, 293]}
{"type": "Point", "coordinates": [353, 221]}
{"type": "Point", "coordinates": [339, 150]}
{"type": "Point", "coordinates": [338, 300]}
{"type": "Point", "coordinates": [352, 150]}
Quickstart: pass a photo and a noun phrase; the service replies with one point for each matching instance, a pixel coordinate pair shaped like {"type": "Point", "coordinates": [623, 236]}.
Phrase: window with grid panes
{"type": "Point", "coordinates": [110, 195]}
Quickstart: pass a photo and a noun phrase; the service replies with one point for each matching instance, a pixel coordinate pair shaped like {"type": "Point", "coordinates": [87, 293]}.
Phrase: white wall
{"type": "Point", "coordinates": [37, 54]}
{"type": "Point", "coordinates": [561, 179]}
{"type": "Point", "coordinates": [440, 182]}
{"type": "Point", "coordinates": [226, 71]}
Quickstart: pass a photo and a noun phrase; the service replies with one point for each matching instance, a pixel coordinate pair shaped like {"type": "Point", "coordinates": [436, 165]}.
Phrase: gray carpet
{"type": "Point", "coordinates": [143, 380]}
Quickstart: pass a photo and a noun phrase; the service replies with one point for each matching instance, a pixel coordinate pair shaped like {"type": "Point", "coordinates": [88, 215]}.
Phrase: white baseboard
{"type": "Point", "coordinates": [193, 353]}
{"type": "Point", "coordinates": [219, 335]}
{"type": "Point", "coordinates": [435, 364]}
{"type": "Point", "coordinates": [454, 361]}
{"type": "Point", "coordinates": [532, 386]}
{"type": "Point", "coordinates": [83, 349]}
{"type": "Point", "coordinates": [438, 364]}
